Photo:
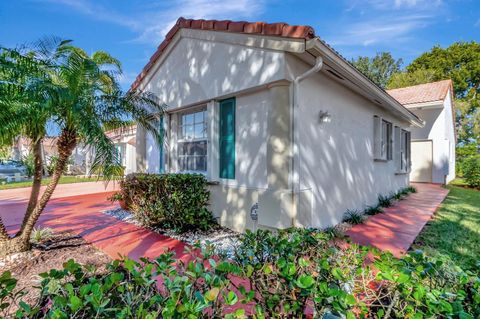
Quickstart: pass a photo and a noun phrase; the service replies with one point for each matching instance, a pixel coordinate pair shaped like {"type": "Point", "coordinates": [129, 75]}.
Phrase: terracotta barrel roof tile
{"type": "Point", "coordinates": [261, 28]}
{"type": "Point", "coordinates": [422, 93]}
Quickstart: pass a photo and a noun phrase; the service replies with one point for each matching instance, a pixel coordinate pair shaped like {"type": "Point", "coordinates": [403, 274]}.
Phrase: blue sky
{"type": "Point", "coordinates": [131, 30]}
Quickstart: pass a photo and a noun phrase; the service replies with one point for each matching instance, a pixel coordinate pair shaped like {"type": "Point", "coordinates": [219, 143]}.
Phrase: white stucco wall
{"type": "Point", "coordinates": [337, 170]}
{"type": "Point", "coordinates": [198, 70]}
{"type": "Point", "coordinates": [336, 158]}
{"type": "Point", "coordinates": [439, 127]}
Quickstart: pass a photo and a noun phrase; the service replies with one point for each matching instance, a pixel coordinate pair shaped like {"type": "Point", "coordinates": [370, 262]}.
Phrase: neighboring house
{"type": "Point", "coordinates": [433, 146]}
{"type": "Point", "coordinates": [124, 141]}
{"type": "Point", "coordinates": [21, 149]}
{"type": "Point", "coordinates": [288, 132]}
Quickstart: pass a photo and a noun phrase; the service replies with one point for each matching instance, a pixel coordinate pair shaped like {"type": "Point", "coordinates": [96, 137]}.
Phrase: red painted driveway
{"type": "Point", "coordinates": [396, 229]}
{"type": "Point", "coordinates": [81, 214]}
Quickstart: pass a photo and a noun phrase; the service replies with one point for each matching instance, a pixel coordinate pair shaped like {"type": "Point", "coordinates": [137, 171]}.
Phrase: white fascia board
{"type": "Point", "coordinates": [248, 40]}
{"type": "Point", "coordinates": [426, 105]}
{"type": "Point", "coordinates": [366, 87]}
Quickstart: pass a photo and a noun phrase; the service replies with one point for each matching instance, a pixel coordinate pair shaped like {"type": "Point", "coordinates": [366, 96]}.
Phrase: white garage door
{"type": "Point", "coordinates": [421, 162]}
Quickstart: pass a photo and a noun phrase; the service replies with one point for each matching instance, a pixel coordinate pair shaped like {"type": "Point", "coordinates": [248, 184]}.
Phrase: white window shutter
{"type": "Point", "coordinates": [377, 137]}
{"type": "Point", "coordinates": [397, 143]}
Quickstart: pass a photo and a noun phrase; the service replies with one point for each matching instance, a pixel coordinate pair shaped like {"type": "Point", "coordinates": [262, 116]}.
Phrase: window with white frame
{"type": "Point", "coordinates": [383, 139]}
{"type": "Point", "coordinates": [192, 141]}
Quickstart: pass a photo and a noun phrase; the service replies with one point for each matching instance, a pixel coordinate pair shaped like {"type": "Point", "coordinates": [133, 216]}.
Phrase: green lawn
{"type": "Point", "coordinates": [454, 233]}
{"type": "Point", "coordinates": [63, 180]}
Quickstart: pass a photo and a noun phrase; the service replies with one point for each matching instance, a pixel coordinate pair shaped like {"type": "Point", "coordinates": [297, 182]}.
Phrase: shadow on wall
{"type": "Point", "coordinates": [337, 161]}
{"type": "Point", "coordinates": [199, 70]}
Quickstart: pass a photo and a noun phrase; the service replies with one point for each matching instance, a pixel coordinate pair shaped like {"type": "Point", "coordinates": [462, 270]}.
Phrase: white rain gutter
{"type": "Point", "coordinates": [295, 180]}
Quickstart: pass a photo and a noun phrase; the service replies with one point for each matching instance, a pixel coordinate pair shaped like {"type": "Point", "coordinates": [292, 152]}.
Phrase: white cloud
{"type": "Point", "coordinates": [151, 22]}
{"type": "Point", "coordinates": [368, 22]}
{"type": "Point", "coordinates": [159, 23]}
{"type": "Point", "coordinates": [383, 29]}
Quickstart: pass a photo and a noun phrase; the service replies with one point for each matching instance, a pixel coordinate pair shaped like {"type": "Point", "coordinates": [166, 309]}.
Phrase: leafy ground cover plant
{"type": "Point", "coordinates": [177, 201]}
{"type": "Point", "coordinates": [294, 273]}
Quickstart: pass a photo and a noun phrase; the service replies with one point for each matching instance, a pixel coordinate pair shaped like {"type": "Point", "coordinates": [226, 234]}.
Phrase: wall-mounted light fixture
{"type": "Point", "coordinates": [324, 117]}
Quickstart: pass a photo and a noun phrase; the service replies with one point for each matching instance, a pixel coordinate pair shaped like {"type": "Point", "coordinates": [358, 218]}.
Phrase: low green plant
{"type": "Point", "coordinates": [384, 201]}
{"type": "Point", "coordinates": [281, 274]}
{"type": "Point", "coordinates": [397, 195]}
{"type": "Point", "coordinates": [471, 171]}
{"type": "Point", "coordinates": [411, 189]}
{"type": "Point", "coordinates": [373, 210]}
{"type": "Point", "coordinates": [118, 196]}
{"type": "Point", "coordinates": [175, 201]}
{"type": "Point", "coordinates": [9, 296]}
{"type": "Point", "coordinates": [40, 234]}
{"type": "Point", "coordinates": [353, 217]}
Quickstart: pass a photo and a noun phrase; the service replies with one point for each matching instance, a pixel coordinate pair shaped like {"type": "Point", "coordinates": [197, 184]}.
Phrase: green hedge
{"type": "Point", "coordinates": [176, 201]}
{"type": "Point", "coordinates": [277, 275]}
{"type": "Point", "coordinates": [471, 171]}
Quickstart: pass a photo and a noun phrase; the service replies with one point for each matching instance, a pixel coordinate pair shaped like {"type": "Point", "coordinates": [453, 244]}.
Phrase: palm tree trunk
{"type": "Point", "coordinates": [66, 143]}
{"type": "Point", "coordinates": [37, 179]}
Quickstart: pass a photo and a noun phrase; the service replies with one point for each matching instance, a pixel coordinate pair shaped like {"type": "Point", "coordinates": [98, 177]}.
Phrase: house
{"type": "Point", "coordinates": [286, 130]}
{"type": "Point", "coordinates": [433, 146]}
{"type": "Point", "coordinates": [21, 149]}
{"type": "Point", "coordinates": [124, 141]}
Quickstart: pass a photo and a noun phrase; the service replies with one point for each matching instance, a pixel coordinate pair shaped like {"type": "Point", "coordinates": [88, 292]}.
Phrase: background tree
{"type": "Point", "coordinates": [380, 68]}
{"type": "Point", "coordinates": [403, 79]}
{"type": "Point", "coordinates": [461, 63]}
{"type": "Point", "coordinates": [79, 94]}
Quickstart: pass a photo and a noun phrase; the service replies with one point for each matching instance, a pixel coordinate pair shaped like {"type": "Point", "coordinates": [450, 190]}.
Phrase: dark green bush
{"type": "Point", "coordinates": [471, 171]}
{"type": "Point", "coordinates": [276, 275]}
{"type": "Point", "coordinates": [462, 153]}
{"type": "Point", "coordinates": [176, 201]}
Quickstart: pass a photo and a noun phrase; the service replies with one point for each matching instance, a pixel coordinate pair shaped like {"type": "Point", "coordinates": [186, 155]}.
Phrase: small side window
{"type": "Point", "coordinates": [383, 139]}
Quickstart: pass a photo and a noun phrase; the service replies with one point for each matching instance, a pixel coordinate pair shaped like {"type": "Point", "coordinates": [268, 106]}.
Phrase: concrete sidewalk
{"type": "Point", "coordinates": [18, 195]}
{"type": "Point", "coordinates": [395, 230]}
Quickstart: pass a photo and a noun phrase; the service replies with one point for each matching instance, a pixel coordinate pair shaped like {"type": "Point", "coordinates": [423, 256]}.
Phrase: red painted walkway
{"type": "Point", "coordinates": [81, 215]}
{"type": "Point", "coordinates": [396, 229]}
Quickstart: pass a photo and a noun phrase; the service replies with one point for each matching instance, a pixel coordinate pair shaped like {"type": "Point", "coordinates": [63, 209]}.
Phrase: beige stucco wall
{"type": "Point", "coordinates": [336, 158]}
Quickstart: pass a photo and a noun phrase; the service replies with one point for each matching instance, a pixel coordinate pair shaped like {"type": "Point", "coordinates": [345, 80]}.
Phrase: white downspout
{"type": "Point", "coordinates": [295, 180]}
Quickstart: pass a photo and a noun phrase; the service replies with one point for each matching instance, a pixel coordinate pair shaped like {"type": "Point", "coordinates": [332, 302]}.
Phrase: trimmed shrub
{"type": "Point", "coordinates": [176, 201]}
{"type": "Point", "coordinates": [471, 171]}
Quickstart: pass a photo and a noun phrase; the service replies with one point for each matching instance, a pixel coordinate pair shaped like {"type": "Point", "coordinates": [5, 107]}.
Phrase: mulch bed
{"type": "Point", "coordinates": [52, 253]}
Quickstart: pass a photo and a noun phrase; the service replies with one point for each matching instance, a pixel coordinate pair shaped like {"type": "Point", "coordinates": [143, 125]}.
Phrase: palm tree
{"type": "Point", "coordinates": [82, 96]}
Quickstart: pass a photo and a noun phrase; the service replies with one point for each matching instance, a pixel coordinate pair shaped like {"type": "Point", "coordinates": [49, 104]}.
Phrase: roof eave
{"type": "Point", "coordinates": [317, 47]}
